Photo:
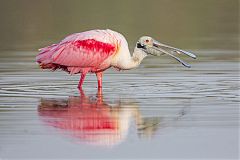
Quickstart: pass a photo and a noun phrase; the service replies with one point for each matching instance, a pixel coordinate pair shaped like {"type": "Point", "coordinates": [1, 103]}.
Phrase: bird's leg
{"type": "Point", "coordinates": [99, 78]}
{"type": "Point", "coordinates": [83, 75]}
{"type": "Point", "coordinates": [99, 96]}
{"type": "Point", "coordinates": [81, 93]}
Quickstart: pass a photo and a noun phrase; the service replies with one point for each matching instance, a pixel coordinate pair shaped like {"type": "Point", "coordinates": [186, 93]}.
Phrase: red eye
{"type": "Point", "coordinates": [147, 41]}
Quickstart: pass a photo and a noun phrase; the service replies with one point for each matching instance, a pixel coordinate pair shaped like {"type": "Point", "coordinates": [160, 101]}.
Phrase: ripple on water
{"type": "Point", "coordinates": [160, 103]}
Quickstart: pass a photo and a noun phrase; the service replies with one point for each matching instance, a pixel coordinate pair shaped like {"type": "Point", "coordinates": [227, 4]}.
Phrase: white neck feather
{"type": "Point", "coordinates": [125, 61]}
{"type": "Point", "coordinates": [137, 57]}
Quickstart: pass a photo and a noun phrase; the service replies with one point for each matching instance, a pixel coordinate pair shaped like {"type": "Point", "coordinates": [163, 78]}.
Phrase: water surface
{"type": "Point", "coordinates": [159, 110]}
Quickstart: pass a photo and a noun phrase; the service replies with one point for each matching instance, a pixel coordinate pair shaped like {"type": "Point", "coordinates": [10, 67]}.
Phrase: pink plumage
{"type": "Point", "coordinates": [84, 52]}
{"type": "Point", "coordinates": [79, 52]}
{"type": "Point", "coordinates": [97, 50]}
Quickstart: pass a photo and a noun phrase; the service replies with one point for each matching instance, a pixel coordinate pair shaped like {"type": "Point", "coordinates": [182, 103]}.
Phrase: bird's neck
{"type": "Point", "coordinates": [128, 62]}
{"type": "Point", "coordinates": [137, 57]}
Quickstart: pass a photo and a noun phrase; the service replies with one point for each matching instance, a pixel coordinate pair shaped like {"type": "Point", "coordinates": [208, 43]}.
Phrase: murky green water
{"type": "Point", "coordinates": [160, 110]}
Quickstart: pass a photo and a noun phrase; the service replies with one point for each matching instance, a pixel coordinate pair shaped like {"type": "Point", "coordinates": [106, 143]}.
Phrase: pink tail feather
{"type": "Point", "coordinates": [45, 56]}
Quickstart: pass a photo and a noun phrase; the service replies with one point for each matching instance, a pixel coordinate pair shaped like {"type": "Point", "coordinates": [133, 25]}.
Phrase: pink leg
{"type": "Point", "coordinates": [99, 78]}
{"type": "Point", "coordinates": [83, 75]}
{"type": "Point", "coordinates": [99, 93]}
{"type": "Point", "coordinates": [99, 96]}
{"type": "Point", "coordinates": [81, 93]}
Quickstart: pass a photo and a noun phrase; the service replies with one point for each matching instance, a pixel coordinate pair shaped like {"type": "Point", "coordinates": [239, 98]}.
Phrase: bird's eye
{"type": "Point", "coordinates": [147, 41]}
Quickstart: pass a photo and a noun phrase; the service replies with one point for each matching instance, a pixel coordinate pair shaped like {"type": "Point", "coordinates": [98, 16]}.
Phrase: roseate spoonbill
{"type": "Point", "coordinates": [94, 121]}
{"type": "Point", "coordinates": [97, 50]}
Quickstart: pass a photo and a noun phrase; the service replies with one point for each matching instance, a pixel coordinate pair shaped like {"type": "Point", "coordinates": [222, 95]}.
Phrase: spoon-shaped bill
{"type": "Point", "coordinates": [158, 49]}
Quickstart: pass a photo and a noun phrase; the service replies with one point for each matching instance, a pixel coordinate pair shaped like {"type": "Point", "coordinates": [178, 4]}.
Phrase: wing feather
{"type": "Point", "coordinates": [86, 49]}
{"type": "Point", "coordinates": [83, 53]}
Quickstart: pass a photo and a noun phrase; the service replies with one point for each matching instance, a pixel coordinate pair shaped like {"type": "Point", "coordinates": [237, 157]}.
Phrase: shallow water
{"type": "Point", "coordinates": [159, 110]}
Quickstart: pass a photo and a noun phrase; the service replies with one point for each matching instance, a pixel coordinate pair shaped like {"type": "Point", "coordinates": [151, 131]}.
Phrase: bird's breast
{"type": "Point", "coordinates": [102, 66]}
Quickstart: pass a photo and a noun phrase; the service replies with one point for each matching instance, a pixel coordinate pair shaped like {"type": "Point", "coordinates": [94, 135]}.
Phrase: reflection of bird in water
{"type": "Point", "coordinates": [91, 119]}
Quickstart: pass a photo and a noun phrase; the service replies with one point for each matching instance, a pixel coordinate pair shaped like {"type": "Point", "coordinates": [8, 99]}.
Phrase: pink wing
{"type": "Point", "coordinates": [80, 50]}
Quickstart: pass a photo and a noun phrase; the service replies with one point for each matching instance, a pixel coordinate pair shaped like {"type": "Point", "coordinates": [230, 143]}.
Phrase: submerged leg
{"type": "Point", "coordinates": [81, 93]}
{"type": "Point", "coordinates": [83, 75]}
{"type": "Point", "coordinates": [99, 78]}
{"type": "Point", "coordinates": [99, 96]}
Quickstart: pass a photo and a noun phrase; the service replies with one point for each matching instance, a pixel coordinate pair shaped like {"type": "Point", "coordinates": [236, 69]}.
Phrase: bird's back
{"type": "Point", "coordinates": [79, 51]}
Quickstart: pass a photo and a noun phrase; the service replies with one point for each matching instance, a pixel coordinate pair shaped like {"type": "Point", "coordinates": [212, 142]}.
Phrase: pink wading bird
{"type": "Point", "coordinates": [97, 50]}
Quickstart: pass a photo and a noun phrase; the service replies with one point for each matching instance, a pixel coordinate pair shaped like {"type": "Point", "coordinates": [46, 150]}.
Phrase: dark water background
{"type": "Point", "coordinates": [163, 109]}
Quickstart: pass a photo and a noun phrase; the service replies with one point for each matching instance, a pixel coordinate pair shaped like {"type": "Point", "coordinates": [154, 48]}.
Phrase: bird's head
{"type": "Point", "coordinates": [152, 47]}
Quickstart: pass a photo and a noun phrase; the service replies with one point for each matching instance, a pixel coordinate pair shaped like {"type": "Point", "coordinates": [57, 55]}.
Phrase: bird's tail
{"type": "Point", "coordinates": [44, 58]}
